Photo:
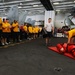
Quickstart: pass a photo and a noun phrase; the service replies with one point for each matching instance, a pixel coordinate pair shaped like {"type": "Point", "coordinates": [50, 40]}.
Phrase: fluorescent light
{"type": "Point", "coordinates": [35, 5]}
{"type": "Point", "coordinates": [41, 11]}
{"type": "Point", "coordinates": [19, 7]}
{"type": "Point", "coordinates": [21, 4]}
{"type": "Point", "coordinates": [56, 3]}
{"type": "Point", "coordinates": [57, 10]}
{"type": "Point", "coordinates": [6, 14]}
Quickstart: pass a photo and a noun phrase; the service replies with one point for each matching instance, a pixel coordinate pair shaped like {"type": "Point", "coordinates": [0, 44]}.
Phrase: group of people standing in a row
{"type": "Point", "coordinates": [15, 32]}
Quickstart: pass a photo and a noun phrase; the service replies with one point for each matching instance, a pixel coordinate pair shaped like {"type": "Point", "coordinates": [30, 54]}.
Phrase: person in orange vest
{"type": "Point", "coordinates": [36, 31]}
{"type": "Point", "coordinates": [0, 31]}
{"type": "Point", "coordinates": [21, 32]}
{"type": "Point", "coordinates": [16, 30]}
{"type": "Point", "coordinates": [6, 30]}
{"type": "Point", "coordinates": [30, 31]}
{"type": "Point", "coordinates": [9, 31]}
{"type": "Point", "coordinates": [71, 36]}
{"type": "Point", "coordinates": [25, 28]}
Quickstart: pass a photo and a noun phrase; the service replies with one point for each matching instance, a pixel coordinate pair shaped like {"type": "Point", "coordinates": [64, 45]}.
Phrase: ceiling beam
{"type": "Point", "coordinates": [47, 4]}
{"type": "Point", "coordinates": [18, 2]}
{"type": "Point", "coordinates": [63, 8]}
{"type": "Point", "coordinates": [61, 0]}
{"type": "Point", "coordinates": [66, 5]}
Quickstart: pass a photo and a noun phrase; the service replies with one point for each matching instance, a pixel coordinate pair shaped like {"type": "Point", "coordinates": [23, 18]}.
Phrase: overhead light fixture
{"type": "Point", "coordinates": [6, 14]}
{"type": "Point", "coordinates": [57, 10]}
{"type": "Point", "coordinates": [41, 11]}
{"type": "Point", "coordinates": [35, 5]}
{"type": "Point", "coordinates": [74, 1]}
{"type": "Point", "coordinates": [19, 7]}
{"type": "Point", "coordinates": [21, 4]}
{"type": "Point", "coordinates": [56, 3]}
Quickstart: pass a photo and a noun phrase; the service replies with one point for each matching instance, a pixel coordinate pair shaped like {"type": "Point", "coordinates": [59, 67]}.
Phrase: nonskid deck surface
{"type": "Point", "coordinates": [34, 58]}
